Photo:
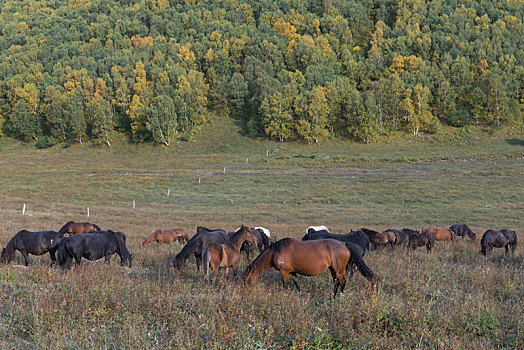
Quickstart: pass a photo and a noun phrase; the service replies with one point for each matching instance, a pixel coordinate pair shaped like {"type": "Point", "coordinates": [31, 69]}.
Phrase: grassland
{"type": "Point", "coordinates": [451, 299]}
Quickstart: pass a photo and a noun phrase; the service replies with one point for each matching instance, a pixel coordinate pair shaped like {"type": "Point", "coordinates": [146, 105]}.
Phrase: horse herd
{"type": "Point", "coordinates": [318, 250]}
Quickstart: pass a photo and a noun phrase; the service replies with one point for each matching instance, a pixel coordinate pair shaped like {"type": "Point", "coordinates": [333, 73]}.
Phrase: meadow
{"type": "Point", "coordinates": [452, 298]}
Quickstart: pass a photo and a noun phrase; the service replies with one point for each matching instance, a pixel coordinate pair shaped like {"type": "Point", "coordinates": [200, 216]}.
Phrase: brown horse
{"type": "Point", "coordinates": [226, 255]}
{"type": "Point", "coordinates": [167, 236]}
{"type": "Point", "coordinates": [380, 239]}
{"type": "Point", "coordinates": [308, 258]}
{"type": "Point", "coordinates": [78, 227]}
{"type": "Point", "coordinates": [426, 238]}
{"type": "Point", "coordinates": [442, 234]}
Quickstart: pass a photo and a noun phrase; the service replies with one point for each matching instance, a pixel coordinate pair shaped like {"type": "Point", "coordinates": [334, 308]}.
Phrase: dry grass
{"type": "Point", "coordinates": [452, 298]}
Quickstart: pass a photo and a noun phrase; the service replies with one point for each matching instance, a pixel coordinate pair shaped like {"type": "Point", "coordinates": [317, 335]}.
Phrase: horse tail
{"type": "Point", "coordinates": [97, 229]}
{"type": "Point", "coordinates": [356, 258]}
{"type": "Point", "coordinates": [61, 252]}
{"type": "Point", "coordinates": [9, 251]}
{"type": "Point", "coordinates": [206, 257]}
{"type": "Point", "coordinates": [125, 256]}
{"type": "Point", "coordinates": [265, 240]}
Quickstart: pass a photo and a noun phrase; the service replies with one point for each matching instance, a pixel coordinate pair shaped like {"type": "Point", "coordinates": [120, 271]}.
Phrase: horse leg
{"type": "Point", "coordinates": [198, 260]}
{"type": "Point", "coordinates": [52, 253]}
{"type": "Point", "coordinates": [25, 255]}
{"type": "Point", "coordinates": [285, 278]}
{"type": "Point", "coordinates": [336, 281]}
{"type": "Point", "coordinates": [108, 258]}
{"type": "Point", "coordinates": [295, 280]}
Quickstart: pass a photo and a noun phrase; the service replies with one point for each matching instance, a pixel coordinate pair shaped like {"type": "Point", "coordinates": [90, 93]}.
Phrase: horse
{"type": "Point", "coordinates": [198, 243]}
{"type": "Point", "coordinates": [78, 227]}
{"type": "Point", "coordinates": [498, 239]}
{"type": "Point", "coordinates": [463, 230]}
{"type": "Point", "coordinates": [380, 238]}
{"type": "Point", "coordinates": [442, 234]}
{"type": "Point", "coordinates": [309, 258]}
{"type": "Point", "coordinates": [402, 236]}
{"type": "Point", "coordinates": [225, 255]}
{"type": "Point", "coordinates": [36, 243]}
{"type": "Point", "coordinates": [93, 246]}
{"type": "Point", "coordinates": [261, 240]}
{"type": "Point", "coordinates": [357, 238]}
{"type": "Point", "coordinates": [320, 228]}
{"type": "Point", "coordinates": [167, 236]}
{"type": "Point", "coordinates": [426, 238]}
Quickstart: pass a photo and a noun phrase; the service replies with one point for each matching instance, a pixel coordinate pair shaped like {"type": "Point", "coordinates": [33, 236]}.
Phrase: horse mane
{"type": "Point", "coordinates": [9, 250]}
{"type": "Point", "coordinates": [64, 228]}
{"type": "Point", "coordinates": [234, 236]}
{"type": "Point", "coordinates": [278, 246]}
{"type": "Point", "coordinates": [188, 248]}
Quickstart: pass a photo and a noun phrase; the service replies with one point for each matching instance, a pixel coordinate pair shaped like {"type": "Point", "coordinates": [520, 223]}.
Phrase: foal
{"type": "Point", "coordinates": [225, 255]}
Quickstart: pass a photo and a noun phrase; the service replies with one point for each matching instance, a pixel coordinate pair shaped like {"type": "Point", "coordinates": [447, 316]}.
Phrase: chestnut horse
{"type": "Point", "coordinates": [78, 227]}
{"type": "Point", "coordinates": [380, 239]}
{"type": "Point", "coordinates": [442, 234]}
{"type": "Point", "coordinates": [225, 255]}
{"type": "Point", "coordinates": [308, 258]}
{"type": "Point", "coordinates": [167, 236]}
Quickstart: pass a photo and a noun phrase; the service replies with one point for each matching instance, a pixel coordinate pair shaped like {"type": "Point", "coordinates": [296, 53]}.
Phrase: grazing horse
{"type": "Point", "coordinates": [402, 236]}
{"type": "Point", "coordinates": [225, 255]}
{"type": "Point", "coordinates": [197, 244]}
{"type": "Point", "coordinates": [426, 238]}
{"type": "Point", "coordinates": [320, 228]}
{"type": "Point", "coordinates": [358, 239]}
{"type": "Point", "coordinates": [93, 246]}
{"type": "Point", "coordinates": [167, 236]}
{"type": "Point", "coordinates": [78, 227]}
{"type": "Point", "coordinates": [36, 243]}
{"type": "Point", "coordinates": [498, 239]}
{"type": "Point", "coordinates": [261, 240]}
{"type": "Point", "coordinates": [380, 238]}
{"type": "Point", "coordinates": [308, 258]}
{"type": "Point", "coordinates": [463, 230]}
{"type": "Point", "coordinates": [442, 234]}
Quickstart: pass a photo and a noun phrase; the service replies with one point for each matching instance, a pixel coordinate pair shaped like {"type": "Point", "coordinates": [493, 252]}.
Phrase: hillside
{"type": "Point", "coordinates": [287, 70]}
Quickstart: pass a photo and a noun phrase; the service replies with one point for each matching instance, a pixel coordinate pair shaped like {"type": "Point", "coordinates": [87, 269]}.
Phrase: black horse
{"type": "Point", "coordinates": [356, 242]}
{"type": "Point", "coordinates": [426, 238]}
{"type": "Point", "coordinates": [498, 239]}
{"type": "Point", "coordinates": [93, 246]}
{"type": "Point", "coordinates": [463, 230]}
{"type": "Point", "coordinates": [197, 244]}
{"type": "Point", "coordinates": [36, 243]}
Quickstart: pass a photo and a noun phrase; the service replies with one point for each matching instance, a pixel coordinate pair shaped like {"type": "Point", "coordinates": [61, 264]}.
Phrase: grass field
{"type": "Point", "coordinates": [453, 298]}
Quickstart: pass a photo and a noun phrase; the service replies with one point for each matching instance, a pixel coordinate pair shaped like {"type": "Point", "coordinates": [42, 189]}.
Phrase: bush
{"type": "Point", "coordinates": [46, 142]}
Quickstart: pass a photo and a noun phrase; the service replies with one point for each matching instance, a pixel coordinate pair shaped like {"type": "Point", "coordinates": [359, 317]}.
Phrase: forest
{"type": "Point", "coordinates": [87, 70]}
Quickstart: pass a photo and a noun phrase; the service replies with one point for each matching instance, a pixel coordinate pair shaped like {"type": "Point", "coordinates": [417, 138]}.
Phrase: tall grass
{"type": "Point", "coordinates": [453, 298]}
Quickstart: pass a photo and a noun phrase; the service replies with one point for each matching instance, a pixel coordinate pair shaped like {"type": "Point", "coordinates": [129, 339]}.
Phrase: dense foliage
{"type": "Point", "coordinates": [298, 69]}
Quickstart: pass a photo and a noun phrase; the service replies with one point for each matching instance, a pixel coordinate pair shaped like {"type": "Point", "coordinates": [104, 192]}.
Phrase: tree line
{"type": "Point", "coordinates": [301, 69]}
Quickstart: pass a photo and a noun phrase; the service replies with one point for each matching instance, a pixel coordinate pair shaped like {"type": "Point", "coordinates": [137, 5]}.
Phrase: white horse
{"type": "Point", "coordinates": [311, 229]}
